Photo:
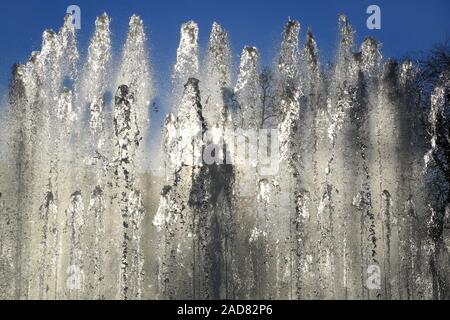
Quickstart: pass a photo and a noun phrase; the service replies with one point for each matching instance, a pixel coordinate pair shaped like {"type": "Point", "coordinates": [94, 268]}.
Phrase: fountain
{"type": "Point", "coordinates": [350, 208]}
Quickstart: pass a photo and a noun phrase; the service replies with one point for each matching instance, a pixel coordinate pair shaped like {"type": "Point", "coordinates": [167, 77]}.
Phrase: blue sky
{"type": "Point", "coordinates": [407, 26]}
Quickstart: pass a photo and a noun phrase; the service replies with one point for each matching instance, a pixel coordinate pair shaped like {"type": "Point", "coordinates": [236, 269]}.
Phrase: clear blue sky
{"type": "Point", "coordinates": [407, 26]}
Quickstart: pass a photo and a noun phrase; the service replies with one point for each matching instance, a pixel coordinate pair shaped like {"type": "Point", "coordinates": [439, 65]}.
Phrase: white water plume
{"type": "Point", "coordinates": [356, 184]}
